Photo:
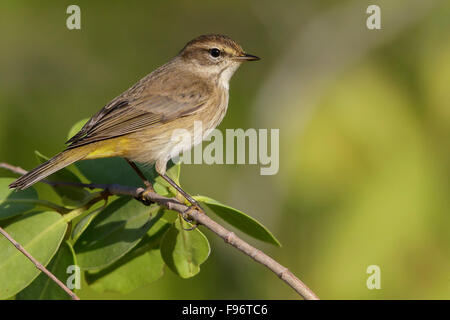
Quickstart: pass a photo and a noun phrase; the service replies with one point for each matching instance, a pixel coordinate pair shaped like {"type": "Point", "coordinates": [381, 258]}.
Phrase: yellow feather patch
{"type": "Point", "coordinates": [116, 147]}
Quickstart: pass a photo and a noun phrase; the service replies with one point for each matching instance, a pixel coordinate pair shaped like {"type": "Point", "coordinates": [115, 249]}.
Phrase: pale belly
{"type": "Point", "coordinates": [169, 140]}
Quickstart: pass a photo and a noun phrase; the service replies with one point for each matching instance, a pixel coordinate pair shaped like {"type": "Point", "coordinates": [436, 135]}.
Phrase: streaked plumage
{"type": "Point", "coordinates": [138, 124]}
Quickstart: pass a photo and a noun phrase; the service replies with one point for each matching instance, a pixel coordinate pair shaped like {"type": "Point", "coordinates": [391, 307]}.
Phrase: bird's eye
{"type": "Point", "coordinates": [214, 52]}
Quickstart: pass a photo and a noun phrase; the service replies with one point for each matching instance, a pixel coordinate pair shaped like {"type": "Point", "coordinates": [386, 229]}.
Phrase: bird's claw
{"type": "Point", "coordinates": [142, 197]}
{"type": "Point", "coordinates": [185, 216]}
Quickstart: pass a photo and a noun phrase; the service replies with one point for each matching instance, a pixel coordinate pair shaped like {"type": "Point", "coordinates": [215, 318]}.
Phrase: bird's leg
{"type": "Point", "coordinates": [191, 200]}
{"type": "Point", "coordinates": [148, 185]}
{"type": "Point", "coordinates": [160, 167]}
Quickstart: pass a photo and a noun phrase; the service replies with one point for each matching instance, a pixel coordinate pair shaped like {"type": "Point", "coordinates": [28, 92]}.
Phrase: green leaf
{"type": "Point", "coordinates": [82, 225]}
{"type": "Point", "coordinates": [184, 251]}
{"type": "Point", "coordinates": [70, 195]}
{"type": "Point", "coordinates": [43, 288]}
{"type": "Point", "coordinates": [76, 127]}
{"type": "Point", "coordinates": [162, 187]}
{"type": "Point", "coordinates": [112, 170]}
{"type": "Point", "coordinates": [239, 220]}
{"type": "Point", "coordinates": [113, 232]}
{"type": "Point", "coordinates": [139, 267]}
{"type": "Point", "coordinates": [138, 272]}
{"type": "Point", "coordinates": [117, 170]}
{"type": "Point", "coordinates": [13, 203]}
{"type": "Point", "coordinates": [40, 234]}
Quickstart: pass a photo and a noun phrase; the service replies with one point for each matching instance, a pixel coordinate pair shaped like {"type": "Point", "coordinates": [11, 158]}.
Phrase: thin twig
{"type": "Point", "coordinates": [38, 265]}
{"type": "Point", "coordinates": [201, 218]}
{"type": "Point", "coordinates": [14, 169]}
{"type": "Point", "coordinates": [227, 235]}
{"type": "Point", "coordinates": [232, 239]}
{"type": "Point", "coordinates": [43, 203]}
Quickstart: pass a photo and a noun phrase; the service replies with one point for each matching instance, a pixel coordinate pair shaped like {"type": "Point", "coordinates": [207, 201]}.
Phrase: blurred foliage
{"type": "Point", "coordinates": [118, 246]}
{"type": "Point", "coordinates": [364, 120]}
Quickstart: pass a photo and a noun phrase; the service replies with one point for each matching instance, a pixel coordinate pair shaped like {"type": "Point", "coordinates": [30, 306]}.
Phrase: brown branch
{"type": "Point", "coordinates": [201, 218]}
{"type": "Point", "coordinates": [282, 272]}
{"type": "Point", "coordinates": [14, 169]}
{"type": "Point", "coordinates": [227, 235]}
{"type": "Point", "coordinates": [38, 265]}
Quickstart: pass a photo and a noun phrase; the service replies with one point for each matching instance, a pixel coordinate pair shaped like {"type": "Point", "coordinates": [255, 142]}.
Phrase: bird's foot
{"type": "Point", "coordinates": [185, 215]}
{"type": "Point", "coordinates": [142, 197]}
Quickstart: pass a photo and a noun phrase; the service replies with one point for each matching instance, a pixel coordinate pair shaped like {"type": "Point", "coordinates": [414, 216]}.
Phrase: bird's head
{"type": "Point", "coordinates": [215, 55]}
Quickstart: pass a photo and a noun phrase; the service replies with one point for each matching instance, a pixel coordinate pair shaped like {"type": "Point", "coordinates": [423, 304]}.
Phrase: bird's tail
{"type": "Point", "coordinates": [56, 163]}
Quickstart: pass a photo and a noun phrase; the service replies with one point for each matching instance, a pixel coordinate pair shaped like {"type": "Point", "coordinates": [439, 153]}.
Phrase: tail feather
{"type": "Point", "coordinates": [49, 167]}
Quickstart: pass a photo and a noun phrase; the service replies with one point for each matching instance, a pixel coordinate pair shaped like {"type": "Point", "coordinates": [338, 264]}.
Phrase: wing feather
{"type": "Point", "coordinates": [162, 96]}
{"type": "Point", "coordinates": [124, 116]}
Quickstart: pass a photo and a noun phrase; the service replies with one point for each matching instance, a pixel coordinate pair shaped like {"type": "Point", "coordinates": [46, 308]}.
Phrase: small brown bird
{"type": "Point", "coordinates": [138, 125]}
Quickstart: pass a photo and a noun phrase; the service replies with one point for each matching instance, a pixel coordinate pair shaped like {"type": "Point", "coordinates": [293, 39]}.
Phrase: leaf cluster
{"type": "Point", "coordinates": [117, 243]}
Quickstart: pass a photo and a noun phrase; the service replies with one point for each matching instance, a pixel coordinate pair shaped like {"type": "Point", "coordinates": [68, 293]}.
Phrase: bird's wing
{"type": "Point", "coordinates": [126, 115]}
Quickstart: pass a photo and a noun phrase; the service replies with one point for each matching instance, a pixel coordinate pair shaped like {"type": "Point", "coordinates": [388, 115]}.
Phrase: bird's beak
{"type": "Point", "coordinates": [247, 57]}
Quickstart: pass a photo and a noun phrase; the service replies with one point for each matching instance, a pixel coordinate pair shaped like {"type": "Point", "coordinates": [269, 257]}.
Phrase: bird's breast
{"type": "Point", "coordinates": [172, 138]}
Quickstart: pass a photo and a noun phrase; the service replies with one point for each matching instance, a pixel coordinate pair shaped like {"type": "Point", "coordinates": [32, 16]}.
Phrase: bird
{"type": "Point", "coordinates": [139, 124]}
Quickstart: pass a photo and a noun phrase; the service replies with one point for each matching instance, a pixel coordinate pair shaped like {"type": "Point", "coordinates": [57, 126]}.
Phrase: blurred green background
{"type": "Point", "coordinates": [364, 119]}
